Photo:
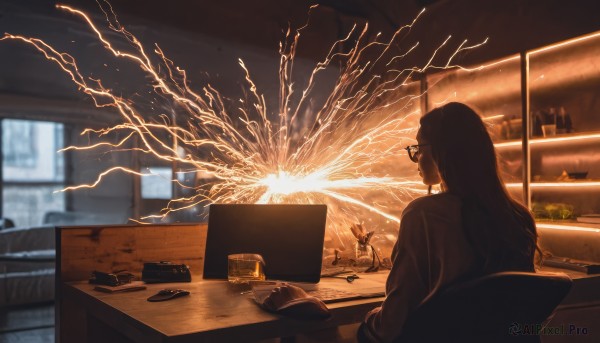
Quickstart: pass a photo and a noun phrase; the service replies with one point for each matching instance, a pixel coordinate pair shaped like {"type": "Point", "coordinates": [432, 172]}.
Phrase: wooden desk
{"type": "Point", "coordinates": [214, 312]}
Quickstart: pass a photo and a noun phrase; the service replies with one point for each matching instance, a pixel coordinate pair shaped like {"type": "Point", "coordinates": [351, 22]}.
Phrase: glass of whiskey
{"type": "Point", "coordinates": [243, 268]}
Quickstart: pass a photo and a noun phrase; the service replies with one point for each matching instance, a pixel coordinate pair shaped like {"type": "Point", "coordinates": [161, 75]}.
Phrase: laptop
{"type": "Point", "coordinates": [289, 238]}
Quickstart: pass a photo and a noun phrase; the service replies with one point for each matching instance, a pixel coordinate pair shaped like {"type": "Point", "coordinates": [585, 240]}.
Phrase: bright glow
{"type": "Point", "coordinates": [566, 227]}
{"type": "Point", "coordinates": [499, 116]}
{"type": "Point", "coordinates": [551, 140]}
{"type": "Point", "coordinates": [508, 144]}
{"type": "Point", "coordinates": [556, 184]}
{"type": "Point", "coordinates": [285, 184]}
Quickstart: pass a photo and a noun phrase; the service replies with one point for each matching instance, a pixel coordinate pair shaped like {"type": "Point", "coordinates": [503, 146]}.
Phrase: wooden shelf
{"type": "Point", "coordinates": [558, 139]}
{"type": "Point", "coordinates": [570, 225]}
{"type": "Point", "coordinates": [583, 184]}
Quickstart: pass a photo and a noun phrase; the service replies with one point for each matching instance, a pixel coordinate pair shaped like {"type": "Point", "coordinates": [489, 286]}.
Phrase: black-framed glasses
{"type": "Point", "coordinates": [413, 151]}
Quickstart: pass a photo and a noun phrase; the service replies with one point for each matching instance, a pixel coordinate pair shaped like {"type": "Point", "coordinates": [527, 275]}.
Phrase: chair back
{"type": "Point", "coordinates": [500, 307]}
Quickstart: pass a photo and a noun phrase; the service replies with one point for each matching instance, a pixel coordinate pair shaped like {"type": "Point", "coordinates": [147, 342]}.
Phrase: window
{"type": "Point", "coordinates": [32, 170]}
{"type": "Point", "coordinates": [157, 183]}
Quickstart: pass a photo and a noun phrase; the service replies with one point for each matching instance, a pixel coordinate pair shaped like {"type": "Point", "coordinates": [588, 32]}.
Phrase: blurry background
{"type": "Point", "coordinates": [42, 111]}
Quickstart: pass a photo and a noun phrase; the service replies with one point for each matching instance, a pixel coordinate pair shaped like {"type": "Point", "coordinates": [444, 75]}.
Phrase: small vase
{"type": "Point", "coordinates": [363, 250]}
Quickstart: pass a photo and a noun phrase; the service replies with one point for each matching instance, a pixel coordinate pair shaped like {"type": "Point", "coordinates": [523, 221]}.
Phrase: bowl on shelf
{"type": "Point", "coordinates": [577, 175]}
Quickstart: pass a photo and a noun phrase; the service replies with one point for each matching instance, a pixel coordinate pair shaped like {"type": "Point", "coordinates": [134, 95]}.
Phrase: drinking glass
{"type": "Point", "coordinates": [243, 268]}
{"type": "Point", "coordinates": [549, 130]}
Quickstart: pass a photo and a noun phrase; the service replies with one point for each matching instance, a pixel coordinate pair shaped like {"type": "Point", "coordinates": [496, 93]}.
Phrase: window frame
{"type": "Point", "coordinates": [33, 183]}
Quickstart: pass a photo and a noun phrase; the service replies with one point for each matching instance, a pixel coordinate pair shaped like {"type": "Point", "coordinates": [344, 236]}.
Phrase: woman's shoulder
{"type": "Point", "coordinates": [435, 203]}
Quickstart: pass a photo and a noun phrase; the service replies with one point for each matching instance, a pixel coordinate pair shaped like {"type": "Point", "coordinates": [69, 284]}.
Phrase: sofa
{"type": "Point", "coordinates": [28, 254]}
{"type": "Point", "coordinates": [27, 265]}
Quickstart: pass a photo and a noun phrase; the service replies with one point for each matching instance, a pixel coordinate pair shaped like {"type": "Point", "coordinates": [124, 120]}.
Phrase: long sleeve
{"type": "Point", "coordinates": [408, 282]}
{"type": "Point", "coordinates": [431, 252]}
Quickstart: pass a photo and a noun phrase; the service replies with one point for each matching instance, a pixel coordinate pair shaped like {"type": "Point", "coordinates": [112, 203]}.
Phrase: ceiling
{"type": "Point", "coordinates": [263, 23]}
{"type": "Point", "coordinates": [511, 25]}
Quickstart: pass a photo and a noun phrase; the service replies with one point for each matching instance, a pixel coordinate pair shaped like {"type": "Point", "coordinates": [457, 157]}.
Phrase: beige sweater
{"type": "Point", "coordinates": [431, 252]}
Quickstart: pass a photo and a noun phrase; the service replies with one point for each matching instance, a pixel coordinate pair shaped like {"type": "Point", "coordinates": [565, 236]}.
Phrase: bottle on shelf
{"type": "Point", "coordinates": [563, 121]}
{"type": "Point", "coordinates": [549, 126]}
{"type": "Point", "coordinates": [537, 121]}
{"type": "Point", "coordinates": [511, 128]}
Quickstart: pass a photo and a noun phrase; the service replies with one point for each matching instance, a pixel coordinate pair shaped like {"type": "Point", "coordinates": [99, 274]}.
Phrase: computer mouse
{"type": "Point", "coordinates": [168, 294]}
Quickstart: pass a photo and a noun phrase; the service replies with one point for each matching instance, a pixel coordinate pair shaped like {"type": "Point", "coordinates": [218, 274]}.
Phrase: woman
{"type": "Point", "coordinates": [473, 227]}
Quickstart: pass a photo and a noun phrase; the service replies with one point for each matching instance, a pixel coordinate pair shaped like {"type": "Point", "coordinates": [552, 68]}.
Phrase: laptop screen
{"type": "Point", "coordinates": [289, 238]}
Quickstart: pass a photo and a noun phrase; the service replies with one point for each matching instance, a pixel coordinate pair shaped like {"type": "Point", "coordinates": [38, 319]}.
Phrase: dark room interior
{"type": "Point", "coordinates": [123, 121]}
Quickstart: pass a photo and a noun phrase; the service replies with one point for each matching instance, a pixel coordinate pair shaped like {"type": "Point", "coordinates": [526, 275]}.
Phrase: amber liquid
{"type": "Point", "coordinates": [243, 271]}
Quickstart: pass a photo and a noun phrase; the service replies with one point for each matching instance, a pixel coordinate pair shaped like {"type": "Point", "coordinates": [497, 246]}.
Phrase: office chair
{"type": "Point", "coordinates": [500, 307]}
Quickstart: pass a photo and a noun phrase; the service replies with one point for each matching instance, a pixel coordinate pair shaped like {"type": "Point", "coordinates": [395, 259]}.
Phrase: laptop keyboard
{"type": "Point", "coordinates": [332, 295]}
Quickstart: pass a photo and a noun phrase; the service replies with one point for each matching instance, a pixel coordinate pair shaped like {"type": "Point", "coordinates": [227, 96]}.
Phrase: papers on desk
{"type": "Point", "coordinates": [128, 287]}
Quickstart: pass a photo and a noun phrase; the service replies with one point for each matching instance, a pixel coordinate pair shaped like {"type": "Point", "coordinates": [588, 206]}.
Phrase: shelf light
{"type": "Point", "coordinates": [492, 64]}
{"type": "Point", "coordinates": [556, 184]}
{"type": "Point", "coordinates": [493, 117]}
{"type": "Point", "coordinates": [566, 227]}
{"type": "Point", "coordinates": [550, 140]}
{"type": "Point", "coordinates": [567, 42]}
{"type": "Point", "coordinates": [507, 144]}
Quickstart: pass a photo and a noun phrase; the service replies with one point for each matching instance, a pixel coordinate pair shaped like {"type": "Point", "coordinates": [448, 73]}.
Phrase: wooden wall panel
{"type": "Point", "coordinates": [80, 250]}
{"type": "Point", "coordinates": [127, 247]}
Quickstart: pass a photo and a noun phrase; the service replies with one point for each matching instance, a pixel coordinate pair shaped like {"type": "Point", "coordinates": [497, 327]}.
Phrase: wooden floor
{"type": "Point", "coordinates": [31, 324]}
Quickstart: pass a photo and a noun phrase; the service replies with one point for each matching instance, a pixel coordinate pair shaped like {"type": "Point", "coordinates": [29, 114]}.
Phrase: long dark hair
{"type": "Point", "coordinates": [501, 230]}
